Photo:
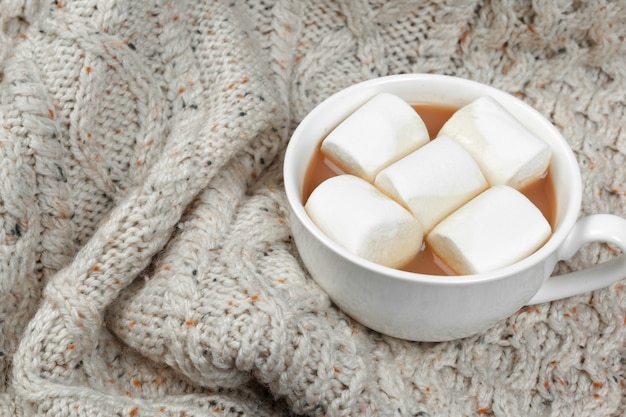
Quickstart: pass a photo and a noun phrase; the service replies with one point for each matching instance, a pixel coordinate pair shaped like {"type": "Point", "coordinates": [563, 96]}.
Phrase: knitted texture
{"type": "Point", "coordinates": [146, 261]}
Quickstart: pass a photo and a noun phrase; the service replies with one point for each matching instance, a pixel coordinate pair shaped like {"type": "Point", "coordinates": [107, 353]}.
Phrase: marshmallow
{"type": "Point", "coordinates": [433, 181]}
{"type": "Point", "coordinates": [380, 132]}
{"type": "Point", "coordinates": [496, 229]}
{"type": "Point", "coordinates": [357, 216]}
{"type": "Point", "coordinates": [507, 152]}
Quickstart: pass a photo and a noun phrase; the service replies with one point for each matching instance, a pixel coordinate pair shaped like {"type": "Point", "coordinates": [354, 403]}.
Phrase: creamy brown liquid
{"type": "Point", "coordinates": [541, 192]}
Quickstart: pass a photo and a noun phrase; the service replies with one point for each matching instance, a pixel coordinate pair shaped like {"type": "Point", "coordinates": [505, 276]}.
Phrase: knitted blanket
{"type": "Point", "coordinates": [146, 262]}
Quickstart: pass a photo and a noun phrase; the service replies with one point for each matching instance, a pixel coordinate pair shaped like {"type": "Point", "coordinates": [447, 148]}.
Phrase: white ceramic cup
{"type": "Point", "coordinates": [437, 308]}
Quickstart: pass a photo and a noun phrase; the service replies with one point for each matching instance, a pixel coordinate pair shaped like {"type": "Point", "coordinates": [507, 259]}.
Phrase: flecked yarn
{"type": "Point", "coordinates": [146, 261]}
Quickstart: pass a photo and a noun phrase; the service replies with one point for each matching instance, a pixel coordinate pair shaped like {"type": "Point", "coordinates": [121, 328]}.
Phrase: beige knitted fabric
{"type": "Point", "coordinates": [146, 262]}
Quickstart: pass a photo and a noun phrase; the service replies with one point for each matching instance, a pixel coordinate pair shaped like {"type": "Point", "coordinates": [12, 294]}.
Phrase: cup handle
{"type": "Point", "coordinates": [595, 228]}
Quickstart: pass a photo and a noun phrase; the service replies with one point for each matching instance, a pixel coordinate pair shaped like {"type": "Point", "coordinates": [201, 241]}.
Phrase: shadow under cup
{"type": "Point", "coordinates": [417, 306]}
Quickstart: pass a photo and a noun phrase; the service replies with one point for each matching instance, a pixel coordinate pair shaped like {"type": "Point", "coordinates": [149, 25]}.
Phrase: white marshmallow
{"type": "Point", "coordinates": [364, 221]}
{"type": "Point", "coordinates": [507, 152]}
{"type": "Point", "coordinates": [433, 181]}
{"type": "Point", "coordinates": [496, 229]}
{"type": "Point", "coordinates": [380, 132]}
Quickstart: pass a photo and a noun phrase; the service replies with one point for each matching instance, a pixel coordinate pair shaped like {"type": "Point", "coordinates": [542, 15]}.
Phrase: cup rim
{"type": "Point", "coordinates": [293, 190]}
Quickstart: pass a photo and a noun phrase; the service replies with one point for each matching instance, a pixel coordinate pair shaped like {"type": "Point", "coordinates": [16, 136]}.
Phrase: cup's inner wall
{"type": "Point", "coordinates": [439, 91]}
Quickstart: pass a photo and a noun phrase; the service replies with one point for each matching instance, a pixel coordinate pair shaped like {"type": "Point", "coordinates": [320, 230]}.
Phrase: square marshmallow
{"type": "Point", "coordinates": [433, 181]}
{"type": "Point", "coordinates": [380, 132]}
{"type": "Point", "coordinates": [496, 229]}
{"type": "Point", "coordinates": [357, 216]}
{"type": "Point", "coordinates": [507, 152]}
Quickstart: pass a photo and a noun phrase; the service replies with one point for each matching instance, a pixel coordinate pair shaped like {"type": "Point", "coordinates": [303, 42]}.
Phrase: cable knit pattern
{"type": "Point", "coordinates": [146, 261]}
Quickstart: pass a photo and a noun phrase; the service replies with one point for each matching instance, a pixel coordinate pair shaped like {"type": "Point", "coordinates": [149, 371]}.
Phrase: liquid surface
{"type": "Point", "coordinates": [541, 192]}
